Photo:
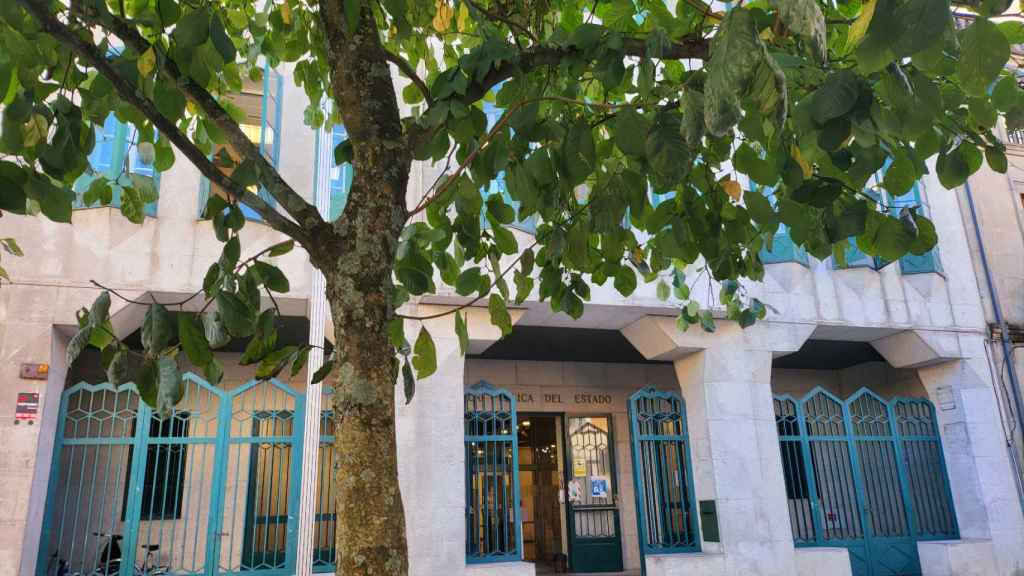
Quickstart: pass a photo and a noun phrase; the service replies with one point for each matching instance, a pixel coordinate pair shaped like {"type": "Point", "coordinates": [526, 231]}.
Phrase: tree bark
{"type": "Point", "coordinates": [357, 255]}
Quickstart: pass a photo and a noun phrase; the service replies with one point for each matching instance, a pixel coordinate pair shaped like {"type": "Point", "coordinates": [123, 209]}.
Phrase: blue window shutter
{"type": "Point", "coordinates": [101, 159]}
{"type": "Point", "coordinates": [783, 247]}
{"type": "Point", "coordinates": [341, 176]}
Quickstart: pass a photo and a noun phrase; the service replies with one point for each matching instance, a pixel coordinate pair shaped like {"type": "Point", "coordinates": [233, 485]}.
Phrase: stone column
{"type": "Point", "coordinates": [955, 369]}
{"type": "Point", "coordinates": [431, 459]}
{"type": "Point", "coordinates": [725, 379]}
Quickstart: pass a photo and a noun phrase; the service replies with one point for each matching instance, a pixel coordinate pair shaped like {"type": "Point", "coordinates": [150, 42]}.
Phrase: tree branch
{"type": "Point", "coordinates": [504, 19]}
{"type": "Point", "coordinates": [294, 204]}
{"type": "Point", "coordinates": [89, 53]}
{"type": "Point", "coordinates": [410, 73]}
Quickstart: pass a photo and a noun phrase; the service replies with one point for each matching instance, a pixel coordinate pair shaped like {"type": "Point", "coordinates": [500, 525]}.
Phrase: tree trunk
{"type": "Point", "coordinates": [357, 256]}
{"type": "Point", "coordinates": [370, 537]}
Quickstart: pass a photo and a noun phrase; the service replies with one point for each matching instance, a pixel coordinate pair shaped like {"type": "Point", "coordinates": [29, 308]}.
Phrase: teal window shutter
{"type": "Point", "coordinates": [783, 248]}
{"type": "Point", "coordinates": [498, 186]}
{"type": "Point", "coordinates": [341, 176]}
{"type": "Point", "coordinates": [115, 144]}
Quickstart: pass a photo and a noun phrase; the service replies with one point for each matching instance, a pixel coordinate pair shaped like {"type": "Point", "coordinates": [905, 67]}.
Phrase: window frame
{"type": "Point", "coordinates": [121, 152]}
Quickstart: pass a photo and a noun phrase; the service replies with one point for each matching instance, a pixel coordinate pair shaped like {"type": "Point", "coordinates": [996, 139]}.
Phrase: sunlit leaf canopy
{"type": "Point", "coordinates": [642, 141]}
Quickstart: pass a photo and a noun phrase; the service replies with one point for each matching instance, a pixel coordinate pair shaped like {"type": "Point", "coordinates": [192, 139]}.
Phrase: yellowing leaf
{"type": "Point", "coordinates": [443, 17]}
{"type": "Point", "coordinates": [460, 24]}
{"type": "Point", "coordinates": [805, 166]}
{"type": "Point", "coordinates": [146, 62]}
{"type": "Point", "coordinates": [733, 189]}
{"type": "Point", "coordinates": [860, 25]}
{"type": "Point", "coordinates": [34, 131]}
{"type": "Point", "coordinates": [286, 13]}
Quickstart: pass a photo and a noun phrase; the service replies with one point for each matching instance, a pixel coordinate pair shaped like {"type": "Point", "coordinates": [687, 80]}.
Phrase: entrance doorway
{"type": "Point", "coordinates": [541, 491]}
{"type": "Point", "coordinates": [569, 503]}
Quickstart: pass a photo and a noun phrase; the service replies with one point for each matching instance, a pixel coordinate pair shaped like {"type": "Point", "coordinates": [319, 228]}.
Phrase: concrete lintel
{"type": "Point", "coordinates": [478, 323]}
{"type": "Point", "coordinates": [918, 348]}
{"type": "Point", "coordinates": [658, 338]}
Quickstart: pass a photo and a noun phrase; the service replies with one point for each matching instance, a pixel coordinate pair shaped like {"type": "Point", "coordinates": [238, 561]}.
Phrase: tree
{"type": "Point", "coordinates": [605, 106]}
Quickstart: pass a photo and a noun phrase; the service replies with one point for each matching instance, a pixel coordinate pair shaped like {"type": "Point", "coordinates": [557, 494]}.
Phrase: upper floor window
{"type": "Point", "coordinates": [913, 199]}
{"type": "Point", "coordinates": [114, 158]}
{"type": "Point", "coordinates": [260, 102]}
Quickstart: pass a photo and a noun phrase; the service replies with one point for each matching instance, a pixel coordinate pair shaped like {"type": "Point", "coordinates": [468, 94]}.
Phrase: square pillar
{"type": "Point", "coordinates": [736, 458]}
{"type": "Point", "coordinates": [430, 438]}
{"type": "Point", "coordinates": [974, 444]}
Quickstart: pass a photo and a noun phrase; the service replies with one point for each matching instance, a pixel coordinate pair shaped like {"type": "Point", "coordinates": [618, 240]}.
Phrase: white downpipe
{"type": "Point", "coordinates": [314, 394]}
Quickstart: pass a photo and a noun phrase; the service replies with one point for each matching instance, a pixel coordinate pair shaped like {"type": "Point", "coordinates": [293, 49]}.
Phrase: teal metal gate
{"type": "Point", "coordinates": [492, 475]}
{"type": "Point", "coordinates": [662, 474]}
{"type": "Point", "coordinates": [867, 475]}
{"type": "Point", "coordinates": [211, 488]}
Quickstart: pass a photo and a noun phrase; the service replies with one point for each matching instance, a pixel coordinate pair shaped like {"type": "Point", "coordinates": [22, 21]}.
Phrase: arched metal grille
{"type": "Point", "coordinates": [666, 510]}
{"type": "Point", "coordinates": [210, 488]}
{"type": "Point", "coordinates": [866, 474]}
{"type": "Point", "coordinates": [492, 475]}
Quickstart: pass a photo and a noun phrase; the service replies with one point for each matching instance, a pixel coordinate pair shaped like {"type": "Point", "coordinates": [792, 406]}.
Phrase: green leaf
{"type": "Point", "coordinates": [169, 100]}
{"type": "Point", "coordinates": [157, 330]}
{"type": "Point", "coordinates": [273, 363]}
{"type": "Point", "coordinates": [424, 354]}
{"type": "Point", "coordinates": [625, 280]}
{"type": "Point", "coordinates": [272, 277]}
{"type": "Point", "coordinates": [500, 316]}
{"type": "Point", "coordinates": [281, 248]}
{"type": "Point", "coordinates": [193, 339]}
{"type": "Point", "coordinates": [952, 168]}
{"type": "Point", "coordinates": [221, 41]}
{"type": "Point", "coordinates": [923, 23]}
{"type": "Point", "coordinates": [193, 29]}
{"type": "Point", "coordinates": [665, 149]}
{"type": "Point", "coordinates": [983, 53]}
{"type": "Point", "coordinates": [1005, 94]}
{"type": "Point", "coordinates": [693, 119]}
{"type": "Point", "coordinates": [300, 360]}
{"type": "Point", "coordinates": [835, 97]}
{"type": "Point", "coordinates": [996, 159]}
{"type": "Point", "coordinates": [170, 386]}
{"type": "Point", "coordinates": [631, 132]}
{"type": "Point", "coordinates": [214, 371]}
{"type": "Point", "coordinates": [663, 290]}
{"type": "Point", "coordinates": [740, 66]}
{"type": "Point", "coordinates": [805, 18]}
{"type": "Point", "coordinates": [352, 9]}
{"type": "Point", "coordinates": [99, 312]}
{"type": "Point", "coordinates": [462, 332]}
{"type": "Point", "coordinates": [236, 315]}
{"type": "Point", "coordinates": [148, 381]}
{"type": "Point", "coordinates": [324, 370]}
{"type": "Point", "coordinates": [408, 381]}
{"type": "Point", "coordinates": [214, 331]}
{"type": "Point", "coordinates": [77, 343]}
{"type": "Point", "coordinates": [119, 369]}
{"type": "Point", "coordinates": [707, 321]}
{"type": "Point", "coordinates": [468, 281]}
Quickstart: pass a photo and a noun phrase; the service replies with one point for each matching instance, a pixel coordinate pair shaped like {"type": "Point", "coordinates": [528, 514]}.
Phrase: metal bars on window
{"type": "Point", "coordinates": [666, 510]}
{"type": "Point", "coordinates": [492, 475]}
{"type": "Point", "coordinates": [864, 469]}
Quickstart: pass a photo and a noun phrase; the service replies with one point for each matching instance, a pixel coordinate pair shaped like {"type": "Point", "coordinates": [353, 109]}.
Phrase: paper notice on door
{"type": "Point", "coordinates": [599, 486]}
{"type": "Point", "coordinates": [579, 467]}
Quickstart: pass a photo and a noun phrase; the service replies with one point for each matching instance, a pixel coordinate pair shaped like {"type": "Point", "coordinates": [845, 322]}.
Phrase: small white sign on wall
{"type": "Point", "coordinates": [947, 401]}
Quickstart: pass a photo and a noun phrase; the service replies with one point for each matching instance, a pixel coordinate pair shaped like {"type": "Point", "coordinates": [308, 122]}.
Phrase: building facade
{"type": "Point", "coordinates": [860, 429]}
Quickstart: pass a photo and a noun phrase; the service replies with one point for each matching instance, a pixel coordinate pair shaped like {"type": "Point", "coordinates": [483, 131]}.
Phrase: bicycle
{"type": "Point", "coordinates": [110, 560]}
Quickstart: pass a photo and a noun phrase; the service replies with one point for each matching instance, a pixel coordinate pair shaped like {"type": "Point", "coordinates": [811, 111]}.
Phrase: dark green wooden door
{"type": "Point", "coordinates": [595, 541]}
